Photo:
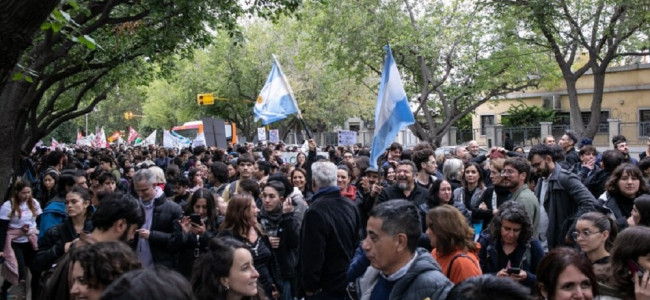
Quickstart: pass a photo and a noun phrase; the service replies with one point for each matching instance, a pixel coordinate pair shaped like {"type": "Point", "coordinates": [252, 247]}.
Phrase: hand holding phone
{"type": "Point", "coordinates": [513, 271]}
{"type": "Point", "coordinates": [195, 218]}
{"type": "Point", "coordinates": [635, 269]}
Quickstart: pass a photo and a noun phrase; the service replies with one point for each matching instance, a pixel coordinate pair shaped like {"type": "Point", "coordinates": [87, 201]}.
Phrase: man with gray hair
{"type": "Point", "coordinates": [404, 187]}
{"type": "Point", "coordinates": [399, 269]}
{"type": "Point", "coordinates": [157, 241]}
{"type": "Point", "coordinates": [328, 237]}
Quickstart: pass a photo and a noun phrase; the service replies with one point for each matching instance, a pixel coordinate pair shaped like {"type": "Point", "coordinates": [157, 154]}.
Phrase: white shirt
{"type": "Point", "coordinates": [26, 217]}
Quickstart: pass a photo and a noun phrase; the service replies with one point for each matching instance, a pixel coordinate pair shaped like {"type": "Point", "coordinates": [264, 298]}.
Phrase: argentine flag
{"type": "Point", "coordinates": [392, 112]}
{"type": "Point", "coordinates": [276, 100]}
{"type": "Point", "coordinates": [181, 139]}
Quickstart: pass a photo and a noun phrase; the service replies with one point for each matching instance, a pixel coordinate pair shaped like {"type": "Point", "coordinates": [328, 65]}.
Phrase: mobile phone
{"type": "Point", "coordinates": [195, 218]}
{"type": "Point", "coordinates": [635, 268]}
{"type": "Point", "coordinates": [513, 271]}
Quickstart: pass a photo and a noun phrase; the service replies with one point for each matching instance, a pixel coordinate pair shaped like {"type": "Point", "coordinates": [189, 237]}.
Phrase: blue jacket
{"type": "Point", "coordinates": [423, 280]}
{"type": "Point", "coordinates": [53, 214]}
{"type": "Point", "coordinates": [489, 257]}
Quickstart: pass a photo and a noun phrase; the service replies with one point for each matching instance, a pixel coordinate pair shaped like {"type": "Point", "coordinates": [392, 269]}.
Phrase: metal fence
{"type": "Point", "coordinates": [466, 135]}
{"type": "Point", "coordinates": [523, 136]}
{"type": "Point", "coordinates": [635, 133]}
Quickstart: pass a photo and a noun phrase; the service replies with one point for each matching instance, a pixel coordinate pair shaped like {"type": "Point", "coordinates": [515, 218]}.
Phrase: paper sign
{"type": "Point", "coordinates": [261, 134]}
{"type": "Point", "coordinates": [347, 137]}
{"type": "Point", "coordinates": [274, 135]}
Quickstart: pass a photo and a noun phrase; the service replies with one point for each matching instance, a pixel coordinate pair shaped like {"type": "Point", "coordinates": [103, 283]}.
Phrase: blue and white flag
{"type": "Point", "coordinates": [276, 99]}
{"type": "Point", "coordinates": [170, 141]}
{"type": "Point", "coordinates": [392, 112]}
{"type": "Point", "coordinates": [181, 139]}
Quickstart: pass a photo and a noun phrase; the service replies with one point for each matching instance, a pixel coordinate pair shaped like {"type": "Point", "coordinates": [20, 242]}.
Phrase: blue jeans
{"type": "Point", "coordinates": [287, 292]}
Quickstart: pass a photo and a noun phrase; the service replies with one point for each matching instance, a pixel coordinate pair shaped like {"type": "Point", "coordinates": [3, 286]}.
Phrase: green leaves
{"type": "Point", "coordinates": [522, 115]}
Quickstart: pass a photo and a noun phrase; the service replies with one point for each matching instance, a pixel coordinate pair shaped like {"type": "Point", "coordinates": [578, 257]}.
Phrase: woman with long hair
{"type": "Point", "coordinates": [388, 174]}
{"type": "Point", "coordinates": [508, 248]}
{"type": "Point", "coordinates": [57, 240]}
{"type": "Point", "coordinates": [18, 235]}
{"type": "Point", "coordinates": [640, 212]}
{"type": "Point", "coordinates": [344, 178]}
{"type": "Point", "coordinates": [93, 267]}
{"type": "Point", "coordinates": [495, 195]}
{"type": "Point", "coordinates": [453, 243]}
{"type": "Point", "coordinates": [196, 179]}
{"type": "Point", "coordinates": [565, 274]}
{"type": "Point", "coordinates": [595, 234]}
{"type": "Point", "coordinates": [226, 271]}
{"type": "Point", "coordinates": [630, 263]}
{"type": "Point", "coordinates": [241, 223]}
{"type": "Point", "coordinates": [440, 193]}
{"type": "Point", "coordinates": [470, 194]}
{"type": "Point", "coordinates": [299, 180]}
{"type": "Point", "coordinates": [301, 159]}
{"type": "Point", "coordinates": [624, 185]}
{"type": "Point", "coordinates": [452, 170]}
{"type": "Point", "coordinates": [196, 236]}
{"type": "Point", "coordinates": [47, 189]}
{"type": "Point", "coordinates": [280, 223]}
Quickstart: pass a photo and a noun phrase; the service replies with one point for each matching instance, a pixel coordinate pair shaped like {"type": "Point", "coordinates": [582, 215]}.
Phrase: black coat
{"type": "Point", "coordinates": [164, 237]}
{"type": "Point", "coordinates": [51, 246]}
{"type": "Point", "coordinates": [288, 230]}
{"type": "Point", "coordinates": [191, 246]}
{"type": "Point", "coordinates": [566, 200]}
{"type": "Point", "coordinates": [418, 195]}
{"type": "Point", "coordinates": [328, 238]}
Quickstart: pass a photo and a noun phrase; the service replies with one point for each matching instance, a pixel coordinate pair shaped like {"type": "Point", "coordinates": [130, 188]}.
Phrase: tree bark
{"type": "Point", "coordinates": [19, 20]}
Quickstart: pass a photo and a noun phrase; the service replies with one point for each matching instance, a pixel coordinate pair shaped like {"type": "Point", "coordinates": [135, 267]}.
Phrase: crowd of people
{"type": "Point", "coordinates": [240, 223]}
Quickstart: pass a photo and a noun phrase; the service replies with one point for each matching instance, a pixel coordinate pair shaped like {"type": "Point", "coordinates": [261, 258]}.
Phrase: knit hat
{"type": "Point", "coordinates": [617, 139]}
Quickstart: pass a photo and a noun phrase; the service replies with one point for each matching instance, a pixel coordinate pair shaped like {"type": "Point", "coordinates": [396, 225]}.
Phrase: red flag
{"type": "Point", "coordinates": [132, 135]}
{"type": "Point", "coordinates": [114, 136]}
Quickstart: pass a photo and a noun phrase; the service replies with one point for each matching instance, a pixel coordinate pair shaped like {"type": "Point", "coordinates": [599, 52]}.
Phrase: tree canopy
{"type": "Point", "coordinates": [85, 48]}
{"type": "Point", "coordinates": [597, 33]}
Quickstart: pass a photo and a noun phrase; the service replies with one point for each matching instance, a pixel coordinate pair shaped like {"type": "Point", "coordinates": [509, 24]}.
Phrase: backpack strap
{"type": "Point", "coordinates": [451, 263]}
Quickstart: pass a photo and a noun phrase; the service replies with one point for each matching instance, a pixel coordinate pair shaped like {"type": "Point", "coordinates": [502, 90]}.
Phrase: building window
{"type": "Point", "coordinates": [355, 127]}
{"type": "Point", "coordinates": [564, 118]}
{"type": "Point", "coordinates": [485, 121]}
{"type": "Point", "coordinates": [644, 122]}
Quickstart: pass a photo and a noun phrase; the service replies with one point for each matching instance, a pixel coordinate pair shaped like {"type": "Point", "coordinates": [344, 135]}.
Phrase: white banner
{"type": "Point", "coordinates": [170, 141]}
{"type": "Point", "coordinates": [150, 140]}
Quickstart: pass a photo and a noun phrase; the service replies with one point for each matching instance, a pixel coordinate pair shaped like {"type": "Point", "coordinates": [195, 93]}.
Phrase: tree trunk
{"type": "Point", "coordinates": [12, 133]}
{"type": "Point", "coordinates": [576, 117]}
{"type": "Point", "coordinates": [19, 20]}
{"type": "Point", "coordinates": [596, 105]}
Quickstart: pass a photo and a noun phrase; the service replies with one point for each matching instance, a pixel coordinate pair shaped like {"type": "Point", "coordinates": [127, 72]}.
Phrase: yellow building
{"type": "Point", "coordinates": [626, 104]}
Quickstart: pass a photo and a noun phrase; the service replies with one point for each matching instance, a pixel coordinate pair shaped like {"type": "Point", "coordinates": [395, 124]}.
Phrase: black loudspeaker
{"type": "Point", "coordinates": [215, 132]}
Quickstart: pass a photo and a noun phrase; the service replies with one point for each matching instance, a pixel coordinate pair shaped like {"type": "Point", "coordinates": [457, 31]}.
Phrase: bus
{"type": "Point", "coordinates": [192, 128]}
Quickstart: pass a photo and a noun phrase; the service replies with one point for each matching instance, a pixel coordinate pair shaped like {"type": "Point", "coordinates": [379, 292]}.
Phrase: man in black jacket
{"type": "Point", "coordinates": [405, 186]}
{"type": "Point", "coordinates": [563, 198]}
{"type": "Point", "coordinates": [328, 237]}
{"type": "Point", "coordinates": [158, 239]}
{"type": "Point", "coordinates": [568, 143]}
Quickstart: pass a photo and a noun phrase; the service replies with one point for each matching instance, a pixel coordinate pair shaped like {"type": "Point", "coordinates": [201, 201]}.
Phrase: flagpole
{"type": "Point", "coordinates": [293, 98]}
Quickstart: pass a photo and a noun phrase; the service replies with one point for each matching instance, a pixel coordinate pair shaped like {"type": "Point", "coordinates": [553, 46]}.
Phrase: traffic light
{"type": "Point", "coordinates": [128, 115]}
{"type": "Point", "coordinates": [205, 99]}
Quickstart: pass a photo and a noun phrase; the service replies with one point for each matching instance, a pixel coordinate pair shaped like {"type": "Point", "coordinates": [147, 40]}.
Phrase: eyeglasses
{"type": "Point", "coordinates": [584, 234]}
{"type": "Point", "coordinates": [508, 172]}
